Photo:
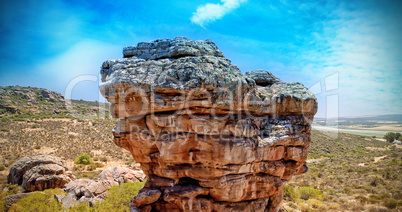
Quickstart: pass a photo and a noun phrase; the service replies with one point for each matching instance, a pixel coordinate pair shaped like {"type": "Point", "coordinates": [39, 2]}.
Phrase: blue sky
{"type": "Point", "coordinates": [347, 52]}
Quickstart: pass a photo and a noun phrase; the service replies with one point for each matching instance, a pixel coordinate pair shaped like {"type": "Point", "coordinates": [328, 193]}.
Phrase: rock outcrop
{"type": "Point", "coordinates": [85, 191]}
{"type": "Point", "coordinates": [40, 172]}
{"type": "Point", "coordinates": [121, 175]}
{"type": "Point", "coordinates": [91, 191]}
{"type": "Point", "coordinates": [208, 137]}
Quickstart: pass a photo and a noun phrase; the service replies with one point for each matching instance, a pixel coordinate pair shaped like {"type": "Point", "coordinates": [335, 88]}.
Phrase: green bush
{"type": "Point", "coordinates": [37, 147]}
{"type": "Point", "coordinates": [309, 192]}
{"type": "Point", "coordinates": [119, 197]}
{"type": "Point", "coordinates": [84, 158]}
{"type": "Point", "coordinates": [2, 168]}
{"type": "Point", "coordinates": [289, 193]}
{"type": "Point", "coordinates": [38, 201]}
{"type": "Point", "coordinates": [81, 208]}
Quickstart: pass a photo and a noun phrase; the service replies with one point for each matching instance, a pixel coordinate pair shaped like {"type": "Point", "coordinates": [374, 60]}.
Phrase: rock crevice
{"type": "Point", "coordinates": [208, 137]}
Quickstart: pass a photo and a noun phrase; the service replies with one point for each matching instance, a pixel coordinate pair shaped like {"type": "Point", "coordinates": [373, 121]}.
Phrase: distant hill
{"type": "Point", "coordinates": [23, 103]}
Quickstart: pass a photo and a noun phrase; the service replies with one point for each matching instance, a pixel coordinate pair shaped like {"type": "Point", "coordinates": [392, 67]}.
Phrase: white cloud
{"type": "Point", "coordinates": [211, 12]}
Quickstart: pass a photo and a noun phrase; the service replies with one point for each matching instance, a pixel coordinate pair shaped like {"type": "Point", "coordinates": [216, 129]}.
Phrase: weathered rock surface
{"type": "Point", "coordinates": [121, 175]}
{"type": "Point", "coordinates": [98, 188]}
{"type": "Point", "coordinates": [262, 78]}
{"type": "Point", "coordinates": [11, 199]}
{"type": "Point", "coordinates": [91, 191]}
{"type": "Point", "coordinates": [89, 188]}
{"type": "Point", "coordinates": [208, 137]}
{"type": "Point", "coordinates": [166, 48]}
{"type": "Point", "coordinates": [40, 172]}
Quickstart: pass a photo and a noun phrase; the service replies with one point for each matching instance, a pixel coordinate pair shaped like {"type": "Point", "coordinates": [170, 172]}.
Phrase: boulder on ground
{"type": "Point", "coordinates": [98, 188]}
{"type": "Point", "coordinates": [78, 187]}
{"type": "Point", "coordinates": [121, 175]}
{"type": "Point", "coordinates": [40, 172]}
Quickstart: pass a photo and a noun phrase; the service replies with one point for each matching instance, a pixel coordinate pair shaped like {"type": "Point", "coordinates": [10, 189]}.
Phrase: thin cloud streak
{"type": "Point", "coordinates": [212, 12]}
{"type": "Point", "coordinates": [365, 58]}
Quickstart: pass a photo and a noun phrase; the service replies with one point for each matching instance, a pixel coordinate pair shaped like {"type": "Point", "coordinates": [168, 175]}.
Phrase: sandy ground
{"type": "Point", "coordinates": [2, 140]}
{"type": "Point", "coordinates": [376, 159]}
{"type": "Point", "coordinates": [314, 160]}
{"type": "Point", "coordinates": [44, 150]}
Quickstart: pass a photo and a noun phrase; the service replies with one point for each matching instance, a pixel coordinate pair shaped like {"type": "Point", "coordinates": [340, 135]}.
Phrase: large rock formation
{"type": "Point", "coordinates": [208, 137]}
{"type": "Point", "coordinates": [40, 172]}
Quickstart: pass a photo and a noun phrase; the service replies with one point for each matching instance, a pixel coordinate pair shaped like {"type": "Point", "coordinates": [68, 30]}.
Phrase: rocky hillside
{"type": "Point", "coordinates": [37, 120]}
{"type": "Point", "coordinates": [20, 100]}
{"type": "Point", "coordinates": [28, 103]}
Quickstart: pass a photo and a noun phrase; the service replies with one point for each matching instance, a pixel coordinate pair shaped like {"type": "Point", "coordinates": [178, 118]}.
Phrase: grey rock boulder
{"type": "Point", "coordinates": [121, 175]}
{"type": "Point", "coordinates": [262, 78]}
{"type": "Point", "coordinates": [78, 187]}
{"type": "Point", "coordinates": [175, 48]}
{"type": "Point", "coordinates": [67, 201]}
{"type": "Point", "coordinates": [85, 191]}
{"type": "Point", "coordinates": [98, 188]}
{"type": "Point", "coordinates": [165, 75]}
{"type": "Point", "coordinates": [90, 201]}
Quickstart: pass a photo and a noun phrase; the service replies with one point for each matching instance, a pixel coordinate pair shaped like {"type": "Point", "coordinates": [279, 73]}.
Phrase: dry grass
{"type": "Point", "coordinates": [376, 186]}
{"type": "Point", "coordinates": [63, 137]}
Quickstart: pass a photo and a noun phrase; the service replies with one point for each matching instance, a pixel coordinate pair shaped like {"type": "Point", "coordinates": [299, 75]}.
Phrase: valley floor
{"type": "Point", "coordinates": [350, 173]}
{"type": "Point", "coordinates": [379, 131]}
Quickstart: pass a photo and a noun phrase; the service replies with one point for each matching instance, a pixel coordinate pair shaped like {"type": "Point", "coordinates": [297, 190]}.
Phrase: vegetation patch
{"type": "Point", "coordinates": [307, 193]}
{"type": "Point", "coordinates": [84, 158]}
{"type": "Point", "coordinates": [119, 197]}
{"type": "Point", "coordinates": [38, 201]}
{"type": "Point", "coordinates": [338, 180]}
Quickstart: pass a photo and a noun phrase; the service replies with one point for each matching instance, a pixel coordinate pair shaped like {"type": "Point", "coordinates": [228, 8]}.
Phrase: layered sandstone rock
{"type": "Point", "coordinates": [40, 172]}
{"type": "Point", "coordinates": [208, 137]}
